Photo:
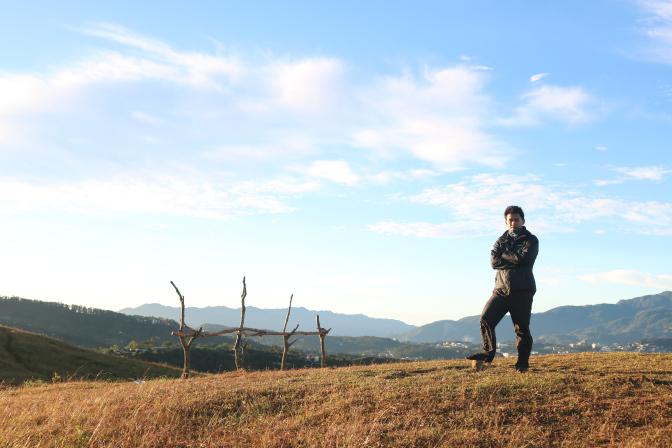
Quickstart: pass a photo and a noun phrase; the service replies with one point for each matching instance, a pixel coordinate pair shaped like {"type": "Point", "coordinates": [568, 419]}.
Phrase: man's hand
{"type": "Point", "coordinates": [525, 254]}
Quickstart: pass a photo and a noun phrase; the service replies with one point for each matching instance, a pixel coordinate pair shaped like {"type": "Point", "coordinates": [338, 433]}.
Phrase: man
{"type": "Point", "coordinates": [512, 256]}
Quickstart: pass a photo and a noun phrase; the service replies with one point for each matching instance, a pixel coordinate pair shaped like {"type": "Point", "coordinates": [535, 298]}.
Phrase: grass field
{"type": "Point", "coordinates": [30, 357]}
{"type": "Point", "coordinates": [566, 400]}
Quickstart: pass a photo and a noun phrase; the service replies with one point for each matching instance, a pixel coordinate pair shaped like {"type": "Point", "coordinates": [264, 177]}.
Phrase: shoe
{"type": "Point", "coordinates": [478, 357]}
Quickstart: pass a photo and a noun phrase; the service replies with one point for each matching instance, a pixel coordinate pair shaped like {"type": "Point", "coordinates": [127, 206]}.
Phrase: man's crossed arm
{"type": "Point", "coordinates": [504, 257]}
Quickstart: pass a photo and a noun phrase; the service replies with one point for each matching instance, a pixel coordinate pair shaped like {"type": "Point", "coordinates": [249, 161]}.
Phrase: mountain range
{"type": "Point", "coordinates": [625, 321]}
{"type": "Point", "coordinates": [274, 319]}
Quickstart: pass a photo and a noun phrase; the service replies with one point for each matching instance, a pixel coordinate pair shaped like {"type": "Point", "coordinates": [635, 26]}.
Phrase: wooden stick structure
{"type": "Point", "coordinates": [285, 337]}
{"type": "Point", "coordinates": [322, 332]}
{"type": "Point", "coordinates": [185, 332]}
{"type": "Point", "coordinates": [236, 347]}
{"type": "Point", "coordinates": [186, 346]}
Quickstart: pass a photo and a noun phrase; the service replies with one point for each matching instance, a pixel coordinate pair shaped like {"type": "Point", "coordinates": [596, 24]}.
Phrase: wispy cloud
{"type": "Point", "coordinates": [161, 196]}
{"type": "Point", "coordinates": [629, 277]}
{"type": "Point", "coordinates": [386, 177]}
{"type": "Point", "coordinates": [537, 77]}
{"type": "Point", "coordinates": [224, 101]}
{"type": "Point", "coordinates": [645, 172]}
{"type": "Point", "coordinates": [658, 26]}
{"type": "Point", "coordinates": [476, 206]}
{"type": "Point", "coordinates": [568, 104]}
{"type": "Point", "coordinates": [655, 173]}
{"type": "Point", "coordinates": [604, 183]}
{"type": "Point", "coordinates": [334, 170]}
{"type": "Point", "coordinates": [439, 119]}
{"type": "Point", "coordinates": [602, 148]}
{"type": "Point", "coordinates": [311, 85]}
{"type": "Point", "coordinates": [212, 116]}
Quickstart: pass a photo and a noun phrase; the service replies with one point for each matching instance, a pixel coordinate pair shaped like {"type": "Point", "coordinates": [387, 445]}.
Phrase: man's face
{"type": "Point", "coordinates": [514, 221]}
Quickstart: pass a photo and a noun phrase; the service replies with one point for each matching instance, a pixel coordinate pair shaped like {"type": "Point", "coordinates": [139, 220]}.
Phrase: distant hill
{"type": "Point", "coordinates": [273, 319]}
{"type": "Point", "coordinates": [626, 321]}
{"type": "Point", "coordinates": [332, 344]}
{"type": "Point", "coordinates": [79, 325]}
{"type": "Point", "coordinates": [28, 356]}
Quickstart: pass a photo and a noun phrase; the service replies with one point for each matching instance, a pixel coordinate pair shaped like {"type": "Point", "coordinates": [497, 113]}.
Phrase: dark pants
{"type": "Point", "coordinates": [519, 305]}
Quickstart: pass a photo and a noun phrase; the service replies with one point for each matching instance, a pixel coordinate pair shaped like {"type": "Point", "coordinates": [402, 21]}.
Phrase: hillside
{"type": "Point", "coordinates": [615, 400]}
{"type": "Point", "coordinates": [273, 319]}
{"type": "Point", "coordinates": [27, 356]}
{"type": "Point", "coordinates": [625, 321]}
{"type": "Point", "coordinates": [79, 325]}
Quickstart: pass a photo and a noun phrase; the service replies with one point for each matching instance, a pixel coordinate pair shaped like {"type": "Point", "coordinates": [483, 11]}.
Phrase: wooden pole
{"type": "Point", "coordinates": [287, 344]}
{"type": "Point", "coordinates": [285, 336]}
{"type": "Point", "coordinates": [186, 346]}
{"type": "Point", "coordinates": [322, 334]}
{"type": "Point", "coordinates": [236, 347]}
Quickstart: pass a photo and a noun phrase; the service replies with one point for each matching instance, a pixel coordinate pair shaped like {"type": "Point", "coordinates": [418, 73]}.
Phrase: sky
{"type": "Point", "coordinates": [358, 155]}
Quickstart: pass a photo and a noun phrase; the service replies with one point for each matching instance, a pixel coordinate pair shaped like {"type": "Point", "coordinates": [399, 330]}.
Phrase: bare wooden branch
{"type": "Point", "coordinates": [286, 344]}
{"type": "Point", "coordinates": [322, 334]}
{"type": "Point", "coordinates": [288, 310]}
{"type": "Point", "coordinates": [186, 346]}
{"type": "Point", "coordinates": [248, 332]}
{"type": "Point", "coordinates": [181, 303]}
{"type": "Point", "coordinates": [236, 346]}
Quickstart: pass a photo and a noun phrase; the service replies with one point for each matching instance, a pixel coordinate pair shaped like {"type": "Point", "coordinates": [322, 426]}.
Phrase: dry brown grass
{"type": "Point", "coordinates": [569, 400]}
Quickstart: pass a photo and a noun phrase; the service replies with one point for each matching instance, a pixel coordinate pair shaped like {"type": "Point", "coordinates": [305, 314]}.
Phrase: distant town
{"type": "Point", "coordinates": [455, 349]}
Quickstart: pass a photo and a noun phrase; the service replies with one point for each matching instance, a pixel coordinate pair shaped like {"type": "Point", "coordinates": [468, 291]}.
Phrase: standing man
{"type": "Point", "coordinates": [513, 257]}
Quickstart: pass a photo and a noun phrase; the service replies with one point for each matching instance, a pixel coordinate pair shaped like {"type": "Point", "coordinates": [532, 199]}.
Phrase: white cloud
{"type": "Point", "coordinates": [659, 28]}
{"type": "Point", "coordinates": [388, 176]}
{"type": "Point", "coordinates": [602, 148]}
{"type": "Point", "coordinates": [161, 196]}
{"type": "Point", "coordinates": [629, 277]}
{"type": "Point", "coordinates": [246, 110]}
{"type": "Point", "coordinates": [466, 58]}
{"type": "Point", "coordinates": [569, 104]}
{"type": "Point", "coordinates": [195, 68]}
{"type": "Point", "coordinates": [537, 77]}
{"type": "Point", "coordinates": [459, 229]}
{"type": "Point", "coordinates": [476, 206]}
{"type": "Point", "coordinates": [312, 85]}
{"type": "Point", "coordinates": [645, 172]}
{"type": "Point", "coordinates": [439, 119]}
{"type": "Point", "coordinates": [334, 170]}
{"type": "Point", "coordinates": [604, 183]}
{"type": "Point", "coordinates": [551, 281]}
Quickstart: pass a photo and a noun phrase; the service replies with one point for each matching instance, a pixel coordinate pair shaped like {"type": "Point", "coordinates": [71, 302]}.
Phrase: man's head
{"type": "Point", "coordinates": [514, 217]}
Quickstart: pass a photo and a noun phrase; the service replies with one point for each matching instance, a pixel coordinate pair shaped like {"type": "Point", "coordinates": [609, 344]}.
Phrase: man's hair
{"type": "Point", "coordinates": [514, 209]}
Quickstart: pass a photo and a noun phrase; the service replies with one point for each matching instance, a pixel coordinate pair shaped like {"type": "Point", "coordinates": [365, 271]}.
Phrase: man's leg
{"type": "Point", "coordinates": [521, 309]}
{"type": "Point", "coordinates": [492, 314]}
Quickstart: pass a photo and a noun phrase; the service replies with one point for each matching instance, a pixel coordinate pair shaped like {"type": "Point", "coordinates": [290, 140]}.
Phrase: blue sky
{"type": "Point", "coordinates": [358, 155]}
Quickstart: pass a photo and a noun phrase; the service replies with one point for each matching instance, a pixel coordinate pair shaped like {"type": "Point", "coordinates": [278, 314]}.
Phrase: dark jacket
{"type": "Point", "coordinates": [514, 262]}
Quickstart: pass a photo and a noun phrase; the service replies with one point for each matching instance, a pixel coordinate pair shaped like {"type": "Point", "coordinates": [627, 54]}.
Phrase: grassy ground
{"type": "Point", "coordinates": [32, 357]}
{"type": "Point", "coordinates": [566, 400]}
